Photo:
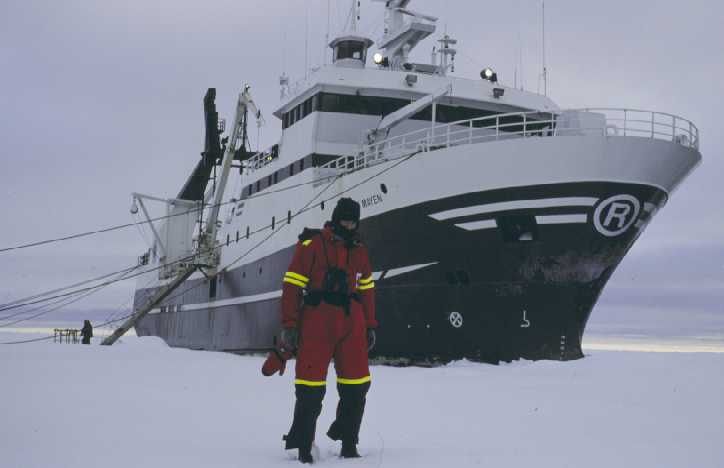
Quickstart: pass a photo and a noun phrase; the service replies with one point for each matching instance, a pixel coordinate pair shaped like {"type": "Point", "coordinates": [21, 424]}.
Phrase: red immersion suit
{"type": "Point", "coordinates": [329, 331]}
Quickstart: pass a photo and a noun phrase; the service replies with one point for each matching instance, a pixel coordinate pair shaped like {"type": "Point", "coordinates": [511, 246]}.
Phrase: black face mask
{"type": "Point", "coordinates": [343, 232]}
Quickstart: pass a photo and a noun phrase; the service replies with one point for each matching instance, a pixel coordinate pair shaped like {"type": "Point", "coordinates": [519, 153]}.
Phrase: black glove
{"type": "Point", "coordinates": [290, 338]}
{"type": "Point", "coordinates": [371, 338]}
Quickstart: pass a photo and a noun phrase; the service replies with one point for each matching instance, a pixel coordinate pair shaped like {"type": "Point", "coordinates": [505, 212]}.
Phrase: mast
{"type": "Point", "coordinates": [545, 67]}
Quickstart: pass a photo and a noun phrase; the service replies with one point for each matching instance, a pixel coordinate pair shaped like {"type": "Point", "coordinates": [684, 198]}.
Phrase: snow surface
{"type": "Point", "coordinates": [142, 404]}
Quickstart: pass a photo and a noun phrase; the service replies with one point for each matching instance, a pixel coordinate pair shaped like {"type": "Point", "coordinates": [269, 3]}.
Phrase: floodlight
{"type": "Point", "coordinates": [489, 74]}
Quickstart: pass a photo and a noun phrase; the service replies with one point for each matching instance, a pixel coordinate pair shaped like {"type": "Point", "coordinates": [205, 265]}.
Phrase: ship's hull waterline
{"type": "Point", "coordinates": [499, 261]}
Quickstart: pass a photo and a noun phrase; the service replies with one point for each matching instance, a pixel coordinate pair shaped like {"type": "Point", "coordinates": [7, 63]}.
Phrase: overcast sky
{"type": "Point", "coordinates": [100, 99]}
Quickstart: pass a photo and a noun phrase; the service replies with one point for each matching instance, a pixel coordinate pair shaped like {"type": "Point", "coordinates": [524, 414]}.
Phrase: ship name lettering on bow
{"type": "Point", "coordinates": [371, 201]}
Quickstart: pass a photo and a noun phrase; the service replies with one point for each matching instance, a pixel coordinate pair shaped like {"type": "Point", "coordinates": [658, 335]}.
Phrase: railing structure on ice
{"type": "Point", "coordinates": [584, 122]}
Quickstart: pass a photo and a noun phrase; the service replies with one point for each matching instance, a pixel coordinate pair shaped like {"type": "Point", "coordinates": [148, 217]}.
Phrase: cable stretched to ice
{"type": "Point", "coordinates": [108, 322]}
{"type": "Point", "coordinates": [81, 283]}
{"type": "Point", "coordinates": [68, 301]}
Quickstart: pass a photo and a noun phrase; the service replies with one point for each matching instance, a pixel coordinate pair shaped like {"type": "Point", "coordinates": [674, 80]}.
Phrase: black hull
{"type": "Point", "coordinates": [522, 289]}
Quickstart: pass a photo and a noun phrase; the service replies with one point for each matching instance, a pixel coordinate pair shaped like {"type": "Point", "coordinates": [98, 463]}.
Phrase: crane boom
{"type": "Point", "coordinates": [206, 255]}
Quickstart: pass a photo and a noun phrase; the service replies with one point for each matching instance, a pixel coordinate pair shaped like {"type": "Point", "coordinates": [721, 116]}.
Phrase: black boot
{"type": "Point", "coordinates": [351, 407]}
{"type": "Point", "coordinates": [305, 456]}
{"type": "Point", "coordinates": [349, 450]}
{"type": "Point", "coordinates": [306, 411]}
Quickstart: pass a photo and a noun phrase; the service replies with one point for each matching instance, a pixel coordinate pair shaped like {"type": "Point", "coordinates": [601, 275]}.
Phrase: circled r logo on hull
{"type": "Point", "coordinates": [615, 215]}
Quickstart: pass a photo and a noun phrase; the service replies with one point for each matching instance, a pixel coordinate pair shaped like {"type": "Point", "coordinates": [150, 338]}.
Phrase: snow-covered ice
{"type": "Point", "coordinates": [142, 404]}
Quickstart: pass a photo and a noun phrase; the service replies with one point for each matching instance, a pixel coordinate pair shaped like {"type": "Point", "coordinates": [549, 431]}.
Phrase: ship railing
{"type": "Point", "coordinates": [608, 122]}
{"type": "Point", "coordinates": [261, 159]}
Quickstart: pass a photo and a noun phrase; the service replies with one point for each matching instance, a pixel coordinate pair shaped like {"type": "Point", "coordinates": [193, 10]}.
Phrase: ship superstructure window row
{"type": "Point", "coordinates": [309, 161]}
{"type": "Point", "coordinates": [381, 106]}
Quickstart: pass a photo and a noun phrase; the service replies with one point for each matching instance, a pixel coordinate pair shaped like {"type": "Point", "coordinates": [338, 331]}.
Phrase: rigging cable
{"type": "Point", "coordinates": [36, 296]}
{"type": "Point", "coordinates": [23, 301]}
{"type": "Point", "coordinates": [107, 322]}
{"type": "Point", "coordinates": [68, 301]}
{"type": "Point", "coordinates": [152, 220]}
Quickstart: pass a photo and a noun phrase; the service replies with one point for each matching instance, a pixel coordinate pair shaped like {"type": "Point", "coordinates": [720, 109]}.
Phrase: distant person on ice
{"type": "Point", "coordinates": [86, 332]}
{"type": "Point", "coordinates": [328, 311]}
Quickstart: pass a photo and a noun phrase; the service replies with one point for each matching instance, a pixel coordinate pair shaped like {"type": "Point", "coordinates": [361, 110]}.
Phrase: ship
{"type": "Point", "coordinates": [494, 218]}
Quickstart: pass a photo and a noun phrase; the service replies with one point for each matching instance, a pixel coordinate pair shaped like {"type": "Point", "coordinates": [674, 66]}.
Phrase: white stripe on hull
{"type": "Point", "coordinates": [515, 205]}
{"type": "Point", "coordinates": [226, 302]}
{"type": "Point", "coordinates": [562, 219]}
{"type": "Point", "coordinates": [402, 270]}
{"type": "Point", "coordinates": [479, 225]}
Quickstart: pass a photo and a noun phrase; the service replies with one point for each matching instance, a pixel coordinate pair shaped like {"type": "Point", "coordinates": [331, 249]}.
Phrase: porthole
{"type": "Point", "coordinates": [383, 187]}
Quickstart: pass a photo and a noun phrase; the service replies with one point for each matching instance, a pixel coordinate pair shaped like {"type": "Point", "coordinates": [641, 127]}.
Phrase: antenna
{"type": "Point", "coordinates": [517, 63]}
{"type": "Point", "coordinates": [545, 67]}
{"type": "Point", "coordinates": [326, 37]}
{"type": "Point", "coordinates": [284, 51]}
{"type": "Point", "coordinates": [306, 43]}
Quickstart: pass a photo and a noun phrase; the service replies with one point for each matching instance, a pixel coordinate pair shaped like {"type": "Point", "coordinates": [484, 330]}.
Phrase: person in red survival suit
{"type": "Point", "coordinates": [328, 311]}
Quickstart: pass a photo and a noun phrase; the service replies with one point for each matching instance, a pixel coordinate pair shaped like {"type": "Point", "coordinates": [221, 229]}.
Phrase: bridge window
{"type": "Point", "coordinates": [381, 106]}
{"type": "Point", "coordinates": [351, 50]}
